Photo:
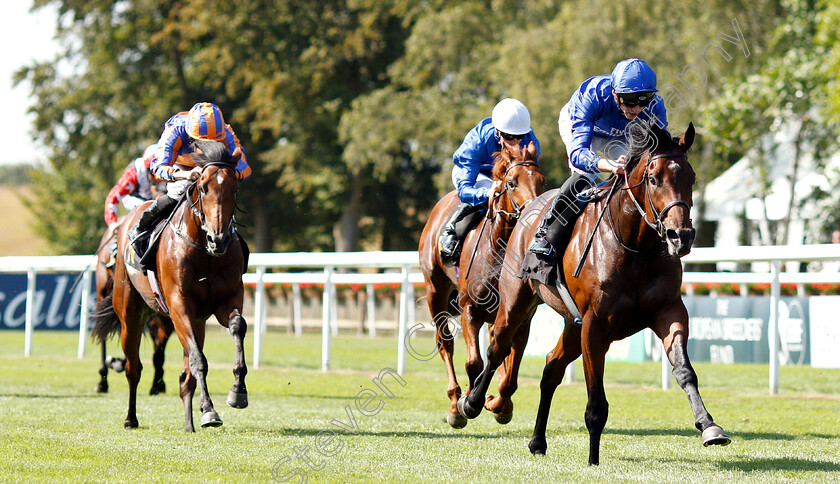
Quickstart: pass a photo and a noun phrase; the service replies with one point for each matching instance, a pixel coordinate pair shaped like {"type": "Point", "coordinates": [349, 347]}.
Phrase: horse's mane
{"type": "Point", "coordinates": [209, 152]}
{"type": "Point", "coordinates": [646, 136]}
{"type": "Point", "coordinates": [502, 159]}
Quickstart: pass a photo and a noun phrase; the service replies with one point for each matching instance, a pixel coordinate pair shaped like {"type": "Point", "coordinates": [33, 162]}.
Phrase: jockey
{"type": "Point", "coordinates": [510, 123]}
{"type": "Point", "coordinates": [173, 162]}
{"type": "Point", "coordinates": [135, 186]}
{"type": "Point", "coordinates": [593, 126]}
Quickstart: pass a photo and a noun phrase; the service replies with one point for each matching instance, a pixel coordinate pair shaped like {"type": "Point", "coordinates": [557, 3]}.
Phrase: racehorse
{"type": "Point", "coordinates": [200, 262]}
{"type": "Point", "coordinates": [470, 287]}
{"type": "Point", "coordinates": [159, 329]}
{"type": "Point", "coordinates": [629, 280]}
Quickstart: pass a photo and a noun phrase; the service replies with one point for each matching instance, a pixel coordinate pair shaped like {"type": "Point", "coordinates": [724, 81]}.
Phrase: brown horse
{"type": "Point", "coordinates": [630, 280]}
{"type": "Point", "coordinates": [199, 272]}
{"type": "Point", "coordinates": [469, 288]}
{"type": "Point", "coordinates": [159, 329]}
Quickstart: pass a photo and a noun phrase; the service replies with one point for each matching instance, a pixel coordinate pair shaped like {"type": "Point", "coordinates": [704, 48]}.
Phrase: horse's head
{"type": "Point", "coordinates": [661, 179]}
{"type": "Point", "coordinates": [522, 180]}
{"type": "Point", "coordinates": [213, 195]}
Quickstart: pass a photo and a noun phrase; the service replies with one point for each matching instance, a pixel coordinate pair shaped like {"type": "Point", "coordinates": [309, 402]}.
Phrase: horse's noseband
{"type": "Point", "coordinates": [656, 224]}
{"type": "Point", "coordinates": [517, 209]}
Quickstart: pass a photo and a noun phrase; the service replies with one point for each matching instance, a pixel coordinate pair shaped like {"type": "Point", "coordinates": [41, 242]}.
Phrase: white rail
{"type": "Point", "coordinates": [404, 262]}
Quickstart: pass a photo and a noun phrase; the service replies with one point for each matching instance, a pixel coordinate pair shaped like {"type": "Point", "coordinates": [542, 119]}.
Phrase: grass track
{"type": "Point", "coordinates": [53, 427]}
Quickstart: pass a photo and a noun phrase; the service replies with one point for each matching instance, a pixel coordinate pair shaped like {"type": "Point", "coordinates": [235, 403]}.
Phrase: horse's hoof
{"type": "Point", "coordinates": [237, 400]}
{"type": "Point", "coordinates": [211, 419]}
{"type": "Point", "coordinates": [714, 435]}
{"type": "Point", "coordinates": [537, 447]}
{"type": "Point", "coordinates": [158, 388]}
{"type": "Point", "coordinates": [131, 423]}
{"type": "Point", "coordinates": [467, 410]}
{"type": "Point", "coordinates": [456, 420]}
{"type": "Point", "coordinates": [503, 418]}
{"type": "Point", "coordinates": [102, 387]}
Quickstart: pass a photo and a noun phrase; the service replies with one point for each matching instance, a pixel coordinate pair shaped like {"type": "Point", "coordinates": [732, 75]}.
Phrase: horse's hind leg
{"type": "Point", "coordinates": [238, 395]}
{"type": "Point", "coordinates": [102, 386]}
{"type": "Point", "coordinates": [439, 303]}
{"type": "Point", "coordinates": [502, 405]}
{"type": "Point", "coordinates": [160, 330]}
{"type": "Point", "coordinates": [673, 333]}
{"type": "Point", "coordinates": [131, 335]}
{"type": "Point", "coordinates": [564, 353]}
{"type": "Point", "coordinates": [514, 308]}
{"type": "Point", "coordinates": [594, 345]}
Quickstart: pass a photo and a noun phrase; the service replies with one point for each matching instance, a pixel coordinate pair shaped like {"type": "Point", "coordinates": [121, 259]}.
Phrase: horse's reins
{"type": "Point", "coordinates": [656, 225]}
{"type": "Point", "coordinates": [511, 215]}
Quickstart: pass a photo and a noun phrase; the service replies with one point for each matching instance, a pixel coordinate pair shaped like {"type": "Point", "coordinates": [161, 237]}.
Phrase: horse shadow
{"type": "Point", "coordinates": [687, 432]}
{"type": "Point", "coordinates": [299, 432]}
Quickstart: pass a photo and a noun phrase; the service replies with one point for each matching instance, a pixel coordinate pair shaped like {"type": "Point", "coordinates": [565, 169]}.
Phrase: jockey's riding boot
{"type": "Point", "coordinates": [159, 208]}
{"type": "Point", "coordinates": [112, 251]}
{"type": "Point", "coordinates": [557, 224]}
{"type": "Point", "coordinates": [450, 243]}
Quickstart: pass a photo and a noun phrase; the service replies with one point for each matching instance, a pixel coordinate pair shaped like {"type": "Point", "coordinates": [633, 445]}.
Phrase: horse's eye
{"type": "Point", "coordinates": [511, 184]}
{"type": "Point", "coordinates": [652, 181]}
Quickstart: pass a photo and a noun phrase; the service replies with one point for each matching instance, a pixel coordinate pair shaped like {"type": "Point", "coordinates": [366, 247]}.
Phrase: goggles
{"type": "Point", "coordinates": [509, 137]}
{"type": "Point", "coordinates": [633, 99]}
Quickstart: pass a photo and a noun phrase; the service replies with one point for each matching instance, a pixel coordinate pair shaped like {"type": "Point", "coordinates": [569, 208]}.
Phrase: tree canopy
{"type": "Point", "coordinates": [350, 110]}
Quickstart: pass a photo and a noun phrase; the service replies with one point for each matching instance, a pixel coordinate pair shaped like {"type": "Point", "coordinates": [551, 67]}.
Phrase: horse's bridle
{"type": "Point", "coordinates": [517, 209]}
{"type": "Point", "coordinates": [656, 224]}
{"type": "Point", "coordinates": [198, 209]}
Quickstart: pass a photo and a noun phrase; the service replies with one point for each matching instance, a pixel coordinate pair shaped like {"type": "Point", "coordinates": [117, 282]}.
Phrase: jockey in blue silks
{"type": "Point", "coordinates": [593, 126]}
{"type": "Point", "coordinates": [510, 123]}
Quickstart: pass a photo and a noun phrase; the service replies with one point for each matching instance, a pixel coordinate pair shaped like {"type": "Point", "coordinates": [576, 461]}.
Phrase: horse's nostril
{"type": "Point", "coordinates": [672, 234]}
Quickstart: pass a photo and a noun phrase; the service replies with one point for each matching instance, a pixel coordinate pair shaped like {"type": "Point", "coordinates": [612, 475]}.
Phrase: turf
{"type": "Point", "coordinates": [53, 427]}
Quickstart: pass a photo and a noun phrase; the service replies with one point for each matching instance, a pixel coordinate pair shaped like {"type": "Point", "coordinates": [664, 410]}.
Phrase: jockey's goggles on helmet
{"type": "Point", "coordinates": [510, 137]}
{"type": "Point", "coordinates": [633, 99]}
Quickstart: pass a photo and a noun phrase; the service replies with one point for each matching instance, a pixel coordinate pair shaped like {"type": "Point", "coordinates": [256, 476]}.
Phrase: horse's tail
{"type": "Point", "coordinates": [105, 320]}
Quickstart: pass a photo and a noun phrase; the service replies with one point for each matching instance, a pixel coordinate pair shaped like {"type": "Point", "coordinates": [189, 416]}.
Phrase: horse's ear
{"type": "Point", "coordinates": [532, 150]}
{"type": "Point", "coordinates": [236, 155]}
{"type": "Point", "coordinates": [688, 138]}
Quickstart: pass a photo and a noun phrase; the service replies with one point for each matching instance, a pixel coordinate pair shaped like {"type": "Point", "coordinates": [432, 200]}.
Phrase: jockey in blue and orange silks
{"type": "Point", "coordinates": [173, 162]}
{"type": "Point", "coordinates": [593, 126]}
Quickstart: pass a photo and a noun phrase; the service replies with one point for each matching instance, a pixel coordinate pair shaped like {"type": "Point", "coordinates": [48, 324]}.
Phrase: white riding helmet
{"type": "Point", "coordinates": [512, 117]}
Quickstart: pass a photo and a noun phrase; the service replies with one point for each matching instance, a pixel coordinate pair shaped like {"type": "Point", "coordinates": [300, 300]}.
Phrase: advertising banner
{"type": "Point", "coordinates": [55, 306]}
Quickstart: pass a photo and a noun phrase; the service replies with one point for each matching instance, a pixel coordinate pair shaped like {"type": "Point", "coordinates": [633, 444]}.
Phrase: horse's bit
{"type": "Point", "coordinates": [517, 209]}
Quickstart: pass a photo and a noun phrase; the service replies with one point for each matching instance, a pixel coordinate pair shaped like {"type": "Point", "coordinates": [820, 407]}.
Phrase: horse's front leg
{"type": "Point", "coordinates": [594, 346]}
{"type": "Point", "coordinates": [191, 334]}
{"type": "Point", "coordinates": [187, 390]}
{"type": "Point", "coordinates": [502, 405]}
{"type": "Point", "coordinates": [238, 395]}
{"type": "Point", "coordinates": [565, 352]}
{"type": "Point", "coordinates": [672, 328]}
{"type": "Point", "coordinates": [515, 308]}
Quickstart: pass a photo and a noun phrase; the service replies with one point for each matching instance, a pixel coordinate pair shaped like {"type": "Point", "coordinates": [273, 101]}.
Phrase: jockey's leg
{"type": "Point", "coordinates": [160, 207]}
{"type": "Point", "coordinates": [450, 242]}
{"type": "Point", "coordinates": [557, 224]}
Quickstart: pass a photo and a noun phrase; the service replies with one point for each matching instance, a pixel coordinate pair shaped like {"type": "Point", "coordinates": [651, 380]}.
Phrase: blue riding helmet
{"type": "Point", "coordinates": [633, 75]}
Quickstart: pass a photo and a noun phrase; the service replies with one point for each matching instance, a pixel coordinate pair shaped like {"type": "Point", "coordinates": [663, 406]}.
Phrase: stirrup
{"type": "Point", "coordinates": [540, 245]}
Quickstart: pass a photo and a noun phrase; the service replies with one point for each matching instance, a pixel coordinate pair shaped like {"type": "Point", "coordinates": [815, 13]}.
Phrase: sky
{"type": "Point", "coordinates": [25, 36]}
